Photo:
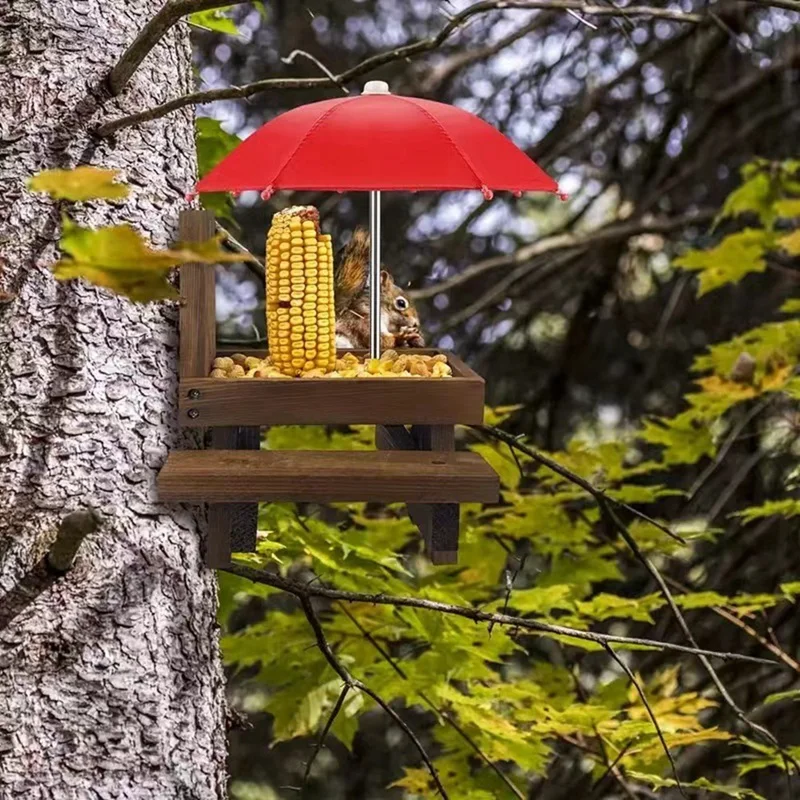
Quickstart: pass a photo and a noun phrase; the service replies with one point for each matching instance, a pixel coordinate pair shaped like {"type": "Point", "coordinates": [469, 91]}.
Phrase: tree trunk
{"type": "Point", "coordinates": [110, 681]}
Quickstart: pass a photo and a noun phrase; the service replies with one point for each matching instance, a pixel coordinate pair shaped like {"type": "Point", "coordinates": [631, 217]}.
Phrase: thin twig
{"type": "Point", "coordinates": [475, 614]}
{"type": "Point", "coordinates": [580, 19]}
{"type": "Point", "coordinates": [629, 672]}
{"type": "Point", "coordinates": [612, 769]}
{"type": "Point", "coordinates": [404, 52]}
{"type": "Point", "coordinates": [293, 55]}
{"type": "Point", "coordinates": [572, 477]}
{"type": "Point", "coordinates": [726, 446]}
{"type": "Point", "coordinates": [253, 262]}
{"type": "Point", "coordinates": [759, 730]}
{"type": "Point", "coordinates": [772, 646]}
{"type": "Point", "coordinates": [443, 715]}
{"type": "Point", "coordinates": [354, 683]}
{"type": "Point", "coordinates": [324, 734]}
{"type": "Point", "coordinates": [510, 579]}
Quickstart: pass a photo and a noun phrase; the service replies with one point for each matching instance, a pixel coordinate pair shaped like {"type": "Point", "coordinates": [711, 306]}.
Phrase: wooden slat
{"type": "Point", "coordinates": [224, 476]}
{"type": "Point", "coordinates": [197, 314]}
{"type": "Point", "coordinates": [331, 401]}
{"type": "Point", "coordinates": [341, 401]}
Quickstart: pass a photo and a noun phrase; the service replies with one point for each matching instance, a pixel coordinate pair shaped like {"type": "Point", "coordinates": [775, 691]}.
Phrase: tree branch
{"type": "Point", "coordinates": [405, 51]}
{"type": "Point", "coordinates": [563, 241]}
{"type": "Point", "coordinates": [55, 563]}
{"type": "Point", "coordinates": [151, 35]}
{"type": "Point", "coordinates": [606, 508]}
{"type": "Point", "coordinates": [629, 672]}
{"type": "Point", "coordinates": [324, 733]}
{"type": "Point", "coordinates": [443, 715]}
{"type": "Point", "coordinates": [314, 60]}
{"type": "Point", "coordinates": [355, 683]}
{"type": "Point", "coordinates": [789, 5]}
{"type": "Point", "coordinates": [773, 647]}
{"type": "Point", "coordinates": [441, 73]}
{"type": "Point", "coordinates": [301, 590]}
{"type": "Point", "coordinates": [759, 730]}
{"type": "Point", "coordinates": [572, 477]}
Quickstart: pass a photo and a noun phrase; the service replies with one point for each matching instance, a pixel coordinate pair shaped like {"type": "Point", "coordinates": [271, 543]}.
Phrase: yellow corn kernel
{"type": "Point", "coordinates": [300, 318]}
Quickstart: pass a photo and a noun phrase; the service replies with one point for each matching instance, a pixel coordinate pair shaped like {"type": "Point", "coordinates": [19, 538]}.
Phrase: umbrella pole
{"type": "Point", "coordinates": [374, 274]}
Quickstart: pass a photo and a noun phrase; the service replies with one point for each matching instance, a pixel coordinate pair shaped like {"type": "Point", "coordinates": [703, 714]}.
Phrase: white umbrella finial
{"type": "Point", "coordinates": [376, 87]}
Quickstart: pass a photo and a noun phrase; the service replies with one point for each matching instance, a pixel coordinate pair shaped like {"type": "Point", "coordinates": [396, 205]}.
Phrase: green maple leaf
{"type": "Point", "coordinates": [782, 508]}
{"type": "Point", "coordinates": [213, 143]}
{"type": "Point", "coordinates": [755, 195]}
{"type": "Point", "coordinates": [734, 257]}
{"type": "Point", "coordinates": [791, 306]}
{"type": "Point", "coordinates": [214, 20]}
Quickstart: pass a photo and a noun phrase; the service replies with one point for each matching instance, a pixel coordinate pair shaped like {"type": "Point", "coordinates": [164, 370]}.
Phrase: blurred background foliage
{"type": "Point", "coordinates": [647, 339]}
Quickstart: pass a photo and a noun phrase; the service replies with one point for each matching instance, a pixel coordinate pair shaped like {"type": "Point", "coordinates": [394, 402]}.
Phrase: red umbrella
{"type": "Point", "coordinates": [377, 142]}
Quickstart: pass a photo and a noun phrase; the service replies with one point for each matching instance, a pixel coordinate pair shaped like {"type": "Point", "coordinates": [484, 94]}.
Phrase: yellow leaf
{"type": "Point", "coordinates": [499, 414]}
{"type": "Point", "coordinates": [714, 384]}
{"type": "Point", "coordinates": [119, 259]}
{"type": "Point", "coordinates": [777, 379]}
{"type": "Point", "coordinates": [791, 243]}
{"type": "Point", "coordinates": [791, 306]}
{"type": "Point", "coordinates": [81, 183]}
{"type": "Point", "coordinates": [788, 208]}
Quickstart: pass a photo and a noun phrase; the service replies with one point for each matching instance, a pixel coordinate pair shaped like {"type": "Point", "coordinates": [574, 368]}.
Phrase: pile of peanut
{"type": "Point", "coordinates": [391, 364]}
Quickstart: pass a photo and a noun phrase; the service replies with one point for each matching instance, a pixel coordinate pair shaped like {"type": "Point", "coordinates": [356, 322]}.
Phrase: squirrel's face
{"type": "Point", "coordinates": [401, 315]}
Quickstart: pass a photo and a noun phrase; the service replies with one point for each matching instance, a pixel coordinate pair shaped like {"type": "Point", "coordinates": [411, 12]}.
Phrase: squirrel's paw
{"type": "Point", "coordinates": [409, 337]}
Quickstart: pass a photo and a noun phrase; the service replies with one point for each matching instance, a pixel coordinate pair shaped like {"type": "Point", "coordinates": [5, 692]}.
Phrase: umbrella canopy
{"type": "Point", "coordinates": [377, 141]}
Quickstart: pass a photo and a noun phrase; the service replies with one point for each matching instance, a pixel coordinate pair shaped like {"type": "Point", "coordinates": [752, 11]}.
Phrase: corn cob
{"type": "Point", "coordinates": [300, 313]}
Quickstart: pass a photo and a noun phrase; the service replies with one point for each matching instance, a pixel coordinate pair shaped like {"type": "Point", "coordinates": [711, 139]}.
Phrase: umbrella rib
{"type": "Point", "coordinates": [320, 119]}
{"type": "Point", "coordinates": [481, 184]}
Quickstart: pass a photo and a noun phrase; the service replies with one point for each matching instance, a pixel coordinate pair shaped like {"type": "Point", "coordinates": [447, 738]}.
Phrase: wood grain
{"type": "Point", "coordinates": [442, 527]}
{"type": "Point", "coordinates": [232, 527]}
{"type": "Point", "coordinates": [331, 401]}
{"type": "Point", "coordinates": [224, 476]}
{"type": "Point", "coordinates": [397, 437]}
{"type": "Point", "coordinates": [438, 523]}
{"type": "Point", "coordinates": [198, 306]}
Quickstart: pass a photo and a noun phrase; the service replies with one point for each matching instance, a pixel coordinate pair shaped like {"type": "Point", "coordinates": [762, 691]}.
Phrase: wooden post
{"type": "Point", "coordinates": [231, 526]}
{"type": "Point", "coordinates": [444, 517]}
{"type": "Point", "coordinates": [198, 344]}
{"type": "Point", "coordinates": [437, 522]}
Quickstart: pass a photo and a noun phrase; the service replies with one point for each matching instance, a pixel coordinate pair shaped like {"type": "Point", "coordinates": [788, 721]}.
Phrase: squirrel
{"type": "Point", "coordinates": [399, 319]}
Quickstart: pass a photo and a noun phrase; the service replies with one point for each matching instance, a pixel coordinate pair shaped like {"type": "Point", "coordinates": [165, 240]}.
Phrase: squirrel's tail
{"type": "Point", "coordinates": [350, 272]}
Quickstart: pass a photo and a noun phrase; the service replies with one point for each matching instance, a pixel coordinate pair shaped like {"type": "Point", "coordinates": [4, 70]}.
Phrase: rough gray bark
{"type": "Point", "coordinates": [110, 681]}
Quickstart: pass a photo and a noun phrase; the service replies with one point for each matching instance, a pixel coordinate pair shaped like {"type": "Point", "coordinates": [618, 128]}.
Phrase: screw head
{"type": "Point", "coordinates": [194, 394]}
{"type": "Point", "coordinates": [193, 413]}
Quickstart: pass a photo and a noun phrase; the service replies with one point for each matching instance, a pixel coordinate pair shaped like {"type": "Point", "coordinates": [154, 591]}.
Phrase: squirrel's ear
{"type": "Point", "coordinates": [386, 279]}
